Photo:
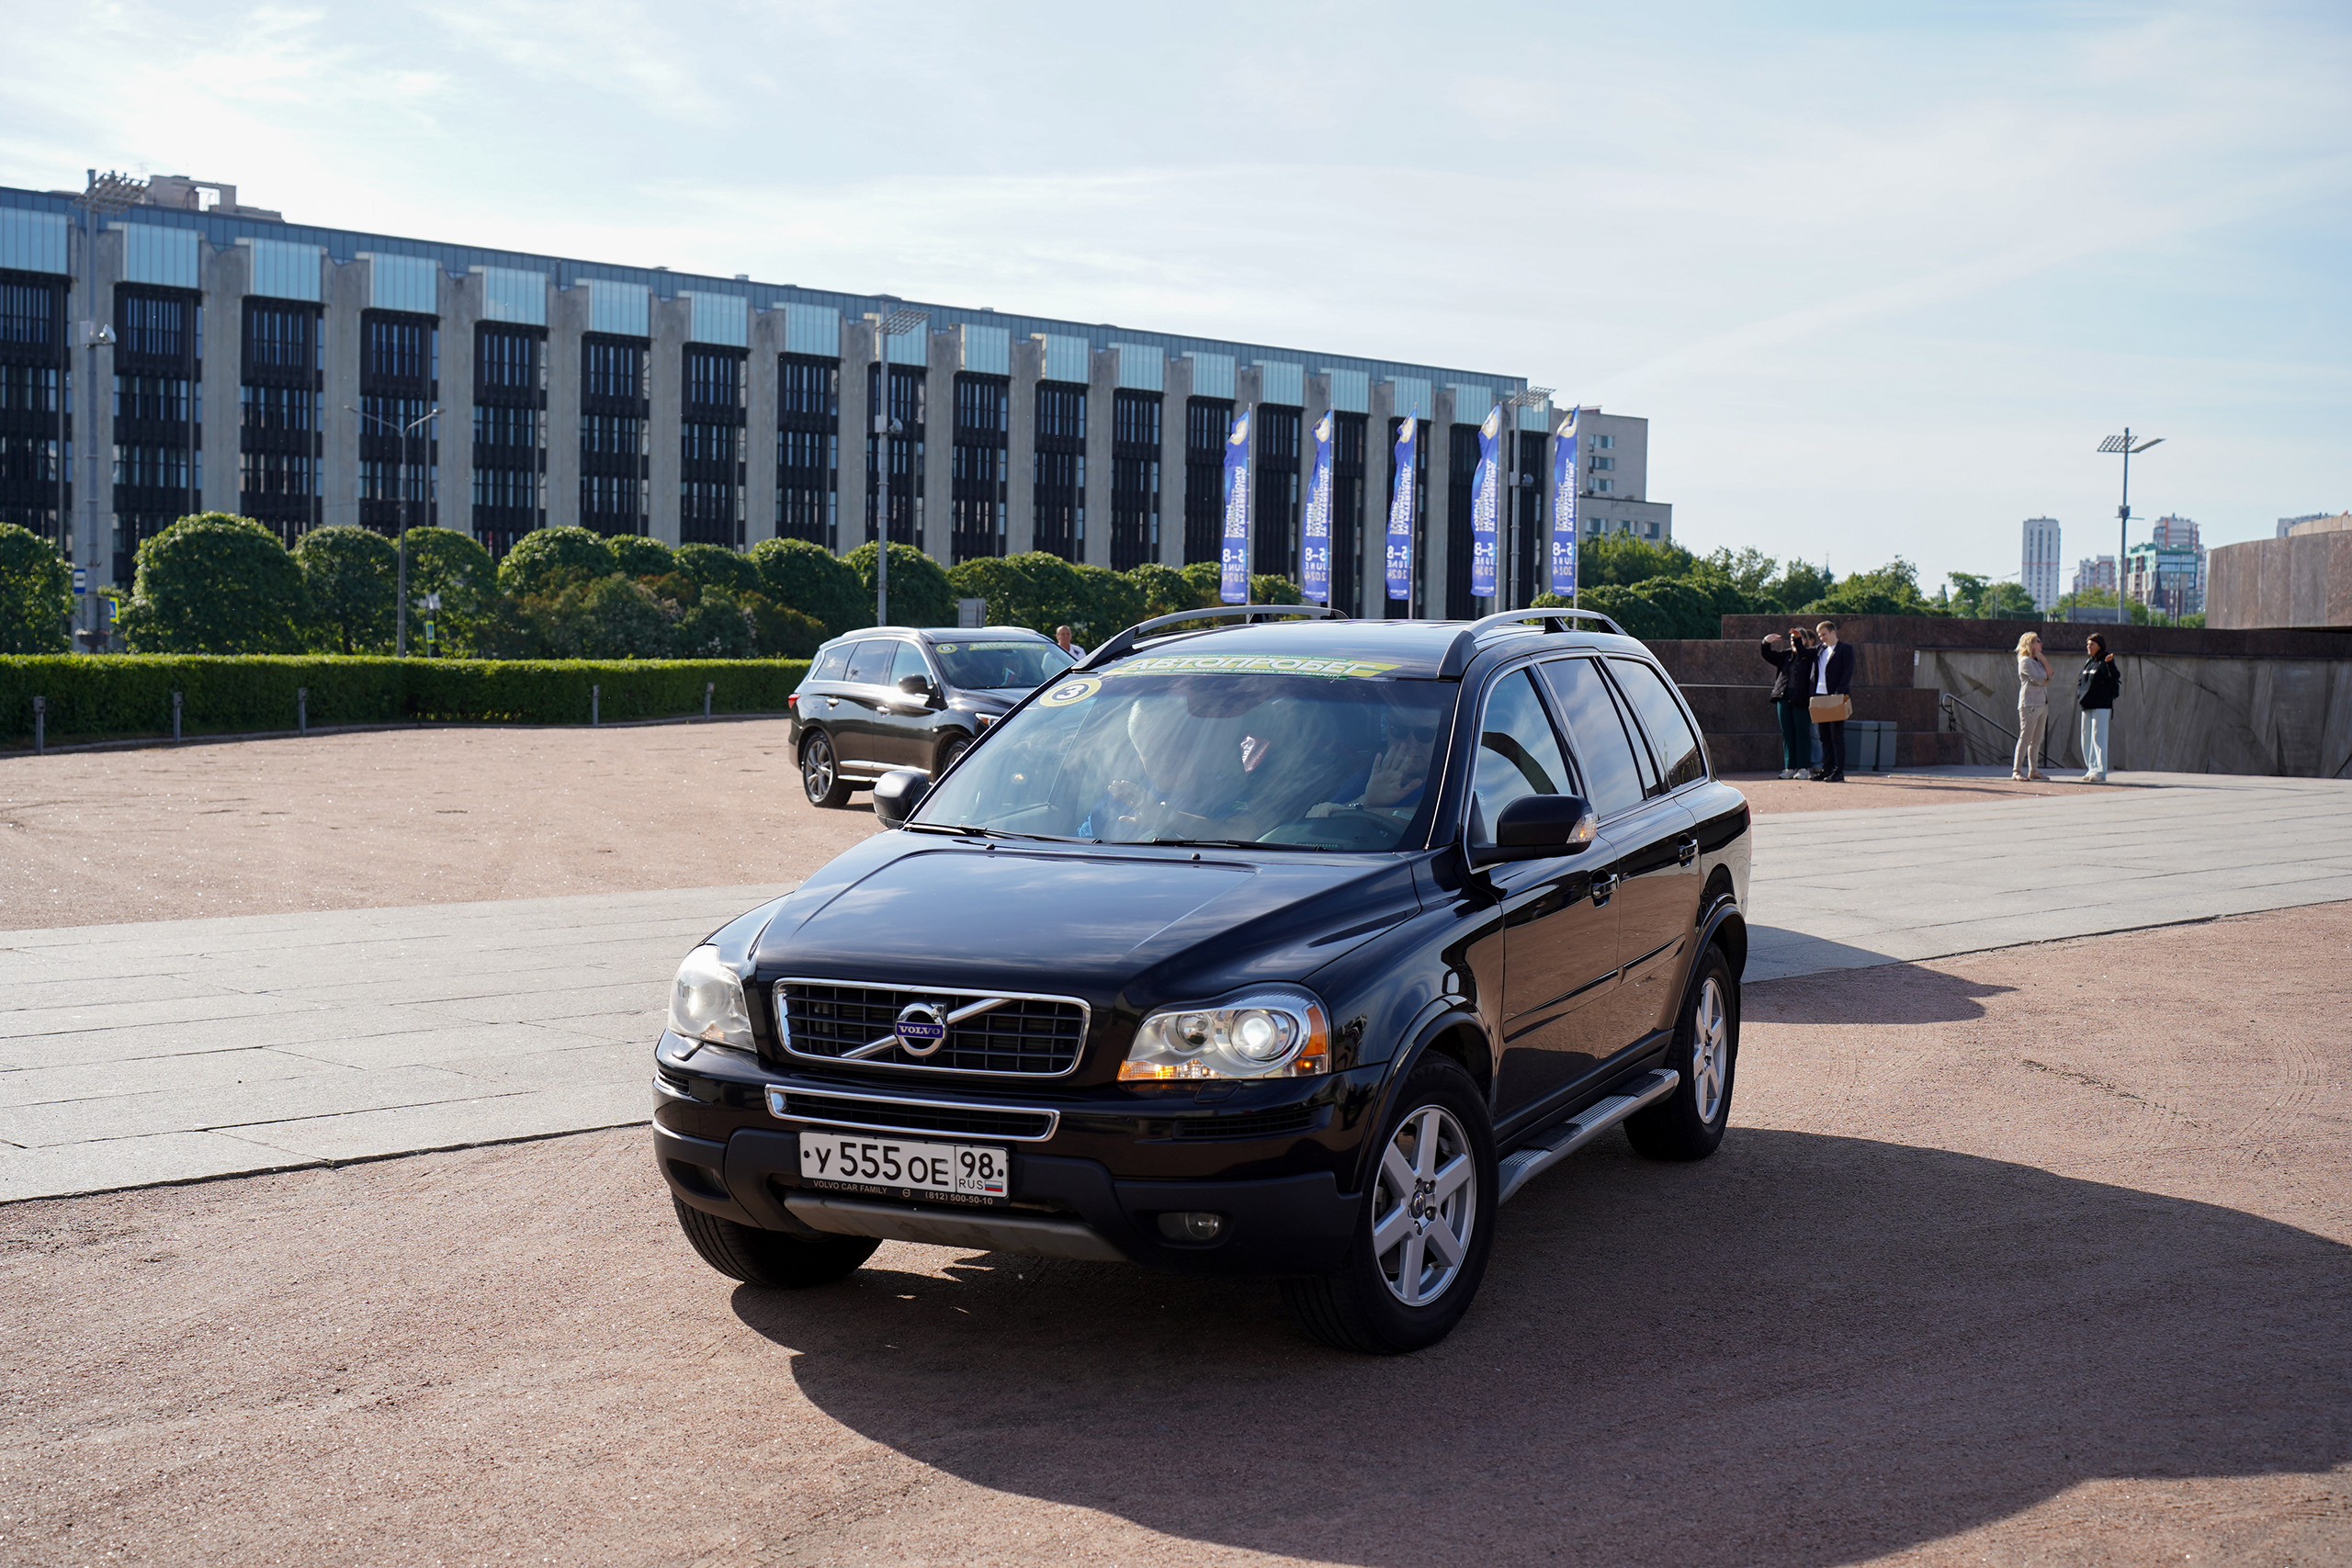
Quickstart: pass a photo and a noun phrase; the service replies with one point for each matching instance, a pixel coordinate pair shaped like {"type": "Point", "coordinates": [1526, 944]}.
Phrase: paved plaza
{"type": "Point", "coordinates": [177, 1050]}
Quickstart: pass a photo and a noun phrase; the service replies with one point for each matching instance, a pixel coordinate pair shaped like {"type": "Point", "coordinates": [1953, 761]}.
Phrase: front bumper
{"type": "Point", "coordinates": [1095, 1189]}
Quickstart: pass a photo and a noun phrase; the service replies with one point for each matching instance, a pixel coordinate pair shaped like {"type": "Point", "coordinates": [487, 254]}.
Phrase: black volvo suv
{"type": "Point", "coordinates": [1292, 948]}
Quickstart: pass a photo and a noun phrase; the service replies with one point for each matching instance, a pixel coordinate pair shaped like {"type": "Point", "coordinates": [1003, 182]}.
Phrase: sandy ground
{"type": "Point", "coordinates": [2037, 1256]}
{"type": "Point", "coordinates": [1768, 793]}
{"type": "Point", "coordinates": [435, 816]}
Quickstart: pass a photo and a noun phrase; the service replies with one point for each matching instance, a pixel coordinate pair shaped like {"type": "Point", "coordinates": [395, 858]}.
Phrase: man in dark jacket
{"type": "Point", "coordinates": [1831, 675]}
{"type": "Point", "coordinates": [1790, 658]}
{"type": "Point", "coordinates": [2095, 689]}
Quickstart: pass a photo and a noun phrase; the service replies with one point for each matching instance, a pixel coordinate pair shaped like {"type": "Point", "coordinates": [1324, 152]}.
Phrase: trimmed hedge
{"type": "Point", "coordinates": [131, 694]}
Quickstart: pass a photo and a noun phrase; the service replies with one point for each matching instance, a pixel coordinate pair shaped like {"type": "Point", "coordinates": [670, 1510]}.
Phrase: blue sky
{"type": "Point", "coordinates": [1881, 276]}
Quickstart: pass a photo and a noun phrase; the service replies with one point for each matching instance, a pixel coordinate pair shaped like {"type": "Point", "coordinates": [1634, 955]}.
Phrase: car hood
{"type": "Point", "coordinates": [1116, 926]}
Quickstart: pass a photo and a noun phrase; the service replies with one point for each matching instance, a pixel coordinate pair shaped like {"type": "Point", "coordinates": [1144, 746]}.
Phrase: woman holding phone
{"type": "Point", "coordinates": [1791, 656]}
{"type": "Point", "coordinates": [2033, 706]}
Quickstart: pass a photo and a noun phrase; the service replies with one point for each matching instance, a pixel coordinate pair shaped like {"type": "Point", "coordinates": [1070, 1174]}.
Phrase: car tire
{"type": "Point", "coordinates": [769, 1258]}
{"type": "Point", "coordinates": [955, 748]}
{"type": "Point", "coordinates": [820, 773]}
{"type": "Point", "coordinates": [1400, 1291]}
{"type": "Point", "coordinates": [1689, 1123]}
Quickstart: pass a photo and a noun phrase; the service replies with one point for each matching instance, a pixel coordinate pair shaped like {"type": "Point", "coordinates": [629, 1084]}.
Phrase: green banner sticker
{"type": "Point", "coordinates": [1249, 664]}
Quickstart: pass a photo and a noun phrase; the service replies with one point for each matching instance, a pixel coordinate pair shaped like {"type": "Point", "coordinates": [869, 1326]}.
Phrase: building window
{"type": "Point", "coordinates": [808, 449]}
{"type": "Point", "coordinates": [900, 467]}
{"type": "Point", "coordinates": [1275, 525]}
{"type": "Point", "coordinates": [1207, 422]}
{"type": "Point", "coordinates": [1347, 511]}
{"type": "Point", "coordinates": [616, 451]}
{"type": "Point", "coordinates": [1058, 486]}
{"type": "Point", "coordinates": [710, 447]}
{"type": "Point", "coordinates": [612, 368]}
{"type": "Point", "coordinates": [510, 434]}
{"type": "Point", "coordinates": [976, 467]}
{"type": "Point", "coordinates": [1135, 478]}
{"type": "Point", "coordinates": [1604, 487]}
{"type": "Point", "coordinates": [34, 425]}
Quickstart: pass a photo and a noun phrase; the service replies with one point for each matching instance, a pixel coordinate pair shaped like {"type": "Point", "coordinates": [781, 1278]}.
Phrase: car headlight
{"type": "Point", "coordinates": [706, 1001]}
{"type": "Point", "coordinates": [1259, 1034]}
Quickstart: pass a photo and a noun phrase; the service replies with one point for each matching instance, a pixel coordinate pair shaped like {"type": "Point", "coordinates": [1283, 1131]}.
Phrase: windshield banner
{"type": "Point", "coordinates": [1400, 512]}
{"type": "Point", "coordinates": [1233, 574]}
{"type": "Point", "coordinates": [1483, 504]}
{"type": "Point", "coordinates": [1315, 532]}
{"type": "Point", "coordinates": [1235, 664]}
{"type": "Point", "coordinates": [1564, 509]}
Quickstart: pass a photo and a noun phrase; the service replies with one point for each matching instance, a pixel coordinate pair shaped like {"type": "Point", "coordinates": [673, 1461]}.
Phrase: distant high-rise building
{"type": "Point", "coordinates": [2287, 525]}
{"type": "Point", "coordinates": [2094, 571]}
{"type": "Point", "coordinates": [2178, 586]}
{"type": "Point", "coordinates": [2040, 575]}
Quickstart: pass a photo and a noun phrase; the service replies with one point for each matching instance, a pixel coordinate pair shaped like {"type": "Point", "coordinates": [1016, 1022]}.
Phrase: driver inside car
{"type": "Point", "coordinates": [1395, 778]}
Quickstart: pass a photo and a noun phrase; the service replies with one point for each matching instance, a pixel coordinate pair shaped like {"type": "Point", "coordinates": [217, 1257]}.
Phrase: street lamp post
{"type": "Point", "coordinates": [2127, 446]}
{"type": "Point", "coordinates": [404, 433]}
{"type": "Point", "coordinates": [897, 323]}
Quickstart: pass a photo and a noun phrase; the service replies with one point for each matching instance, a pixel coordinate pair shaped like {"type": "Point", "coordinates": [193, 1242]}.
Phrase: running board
{"type": "Point", "coordinates": [1560, 1140]}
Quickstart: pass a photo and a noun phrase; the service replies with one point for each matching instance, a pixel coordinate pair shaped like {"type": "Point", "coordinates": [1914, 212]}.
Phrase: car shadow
{"type": "Point", "coordinates": [1808, 1350]}
{"type": "Point", "coordinates": [1889, 994]}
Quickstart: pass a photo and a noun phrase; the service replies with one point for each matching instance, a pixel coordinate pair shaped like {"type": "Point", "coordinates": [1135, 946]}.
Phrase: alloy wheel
{"type": "Point", "coordinates": [1424, 1206]}
{"type": "Point", "coordinates": [816, 768]}
{"type": "Point", "coordinates": [1709, 1050]}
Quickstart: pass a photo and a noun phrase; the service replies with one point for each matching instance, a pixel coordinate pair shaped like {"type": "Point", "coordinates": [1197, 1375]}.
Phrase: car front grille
{"type": "Point", "coordinates": [998, 1033]}
{"type": "Point", "coordinates": [910, 1115]}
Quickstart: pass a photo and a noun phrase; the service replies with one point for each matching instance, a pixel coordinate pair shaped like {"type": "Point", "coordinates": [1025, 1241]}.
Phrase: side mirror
{"type": "Point", "coordinates": [896, 794]}
{"type": "Point", "coordinates": [1537, 826]}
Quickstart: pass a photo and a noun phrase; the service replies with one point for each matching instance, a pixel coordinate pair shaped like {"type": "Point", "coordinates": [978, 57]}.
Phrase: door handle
{"type": "Point", "coordinates": [1686, 851]}
{"type": "Point", "coordinates": [1602, 886]}
{"type": "Point", "coordinates": [833, 702]}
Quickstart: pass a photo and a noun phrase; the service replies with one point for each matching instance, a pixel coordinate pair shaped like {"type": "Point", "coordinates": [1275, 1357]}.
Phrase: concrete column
{"type": "Point", "coordinates": [1438, 463]}
{"type": "Point", "coordinates": [94, 417]}
{"type": "Point", "coordinates": [1379, 467]}
{"type": "Point", "coordinates": [346, 294]}
{"type": "Point", "coordinates": [460, 299]}
{"type": "Point", "coordinates": [1177, 394]}
{"type": "Point", "coordinates": [1319, 403]}
{"type": "Point", "coordinates": [223, 274]}
{"type": "Point", "coordinates": [665, 387]}
{"type": "Point", "coordinates": [944, 358]}
{"type": "Point", "coordinates": [567, 319]}
{"type": "Point", "coordinates": [1021, 447]}
{"type": "Point", "coordinates": [759, 427]}
{"type": "Point", "coordinates": [856, 424]}
{"type": "Point", "coordinates": [1102, 398]}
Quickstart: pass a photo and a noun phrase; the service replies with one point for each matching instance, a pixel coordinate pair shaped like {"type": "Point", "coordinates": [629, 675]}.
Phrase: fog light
{"type": "Point", "coordinates": [1192, 1225]}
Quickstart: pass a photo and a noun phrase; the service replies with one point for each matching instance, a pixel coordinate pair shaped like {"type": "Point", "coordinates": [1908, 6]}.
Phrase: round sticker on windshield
{"type": "Point", "coordinates": [1069, 692]}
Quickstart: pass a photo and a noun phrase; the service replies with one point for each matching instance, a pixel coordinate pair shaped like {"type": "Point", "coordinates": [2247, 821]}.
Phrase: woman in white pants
{"type": "Point", "coordinates": [2033, 706]}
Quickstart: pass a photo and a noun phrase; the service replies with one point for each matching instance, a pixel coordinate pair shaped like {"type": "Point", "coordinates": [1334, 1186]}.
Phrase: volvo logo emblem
{"type": "Point", "coordinates": [921, 1029]}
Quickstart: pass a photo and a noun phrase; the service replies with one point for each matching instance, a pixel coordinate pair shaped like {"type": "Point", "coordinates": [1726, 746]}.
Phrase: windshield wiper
{"type": "Point", "coordinates": [1231, 844]}
{"type": "Point", "coordinates": [965, 830]}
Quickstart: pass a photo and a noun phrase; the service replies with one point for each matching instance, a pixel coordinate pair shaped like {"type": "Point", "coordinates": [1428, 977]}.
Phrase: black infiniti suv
{"type": "Point", "coordinates": [1292, 949]}
{"type": "Point", "coordinates": [908, 697]}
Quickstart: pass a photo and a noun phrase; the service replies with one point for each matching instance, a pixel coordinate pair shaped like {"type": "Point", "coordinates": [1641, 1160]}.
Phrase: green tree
{"type": "Point", "coordinates": [1267, 589]}
{"type": "Point", "coordinates": [352, 576]}
{"type": "Point", "coordinates": [714, 628]}
{"type": "Point", "coordinates": [1749, 572]}
{"type": "Point", "coordinates": [2095, 599]}
{"type": "Point", "coordinates": [919, 595]}
{"type": "Point", "coordinates": [1689, 613]}
{"type": "Point", "coordinates": [715, 566]}
{"type": "Point", "coordinates": [1892, 590]}
{"type": "Point", "coordinates": [1796, 587]}
{"type": "Point", "coordinates": [36, 594]}
{"type": "Point", "coordinates": [1010, 593]}
{"type": "Point", "coordinates": [638, 556]}
{"type": "Point", "coordinates": [472, 621]}
{"type": "Point", "coordinates": [216, 583]}
{"type": "Point", "coordinates": [1622, 559]}
{"type": "Point", "coordinates": [603, 617]}
{"type": "Point", "coordinates": [783, 632]}
{"type": "Point", "coordinates": [544, 558]}
{"type": "Point", "coordinates": [802, 575]}
{"type": "Point", "coordinates": [1112, 603]}
{"type": "Point", "coordinates": [1165, 589]}
{"type": "Point", "coordinates": [1630, 610]}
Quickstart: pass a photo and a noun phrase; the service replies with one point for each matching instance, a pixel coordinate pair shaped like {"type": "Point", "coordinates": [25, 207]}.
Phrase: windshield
{"type": "Point", "coordinates": [1142, 756]}
{"type": "Point", "coordinates": [1014, 663]}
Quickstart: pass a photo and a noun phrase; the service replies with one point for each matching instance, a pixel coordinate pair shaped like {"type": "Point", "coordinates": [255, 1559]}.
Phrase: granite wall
{"type": "Point", "coordinates": [2304, 579]}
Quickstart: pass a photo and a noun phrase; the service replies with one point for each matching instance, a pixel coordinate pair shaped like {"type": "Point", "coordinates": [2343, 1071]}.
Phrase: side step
{"type": "Point", "coordinates": [1561, 1139]}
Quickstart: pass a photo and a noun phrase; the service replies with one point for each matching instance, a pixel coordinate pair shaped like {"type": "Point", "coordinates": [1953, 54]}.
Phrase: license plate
{"type": "Point", "coordinates": [862, 1162]}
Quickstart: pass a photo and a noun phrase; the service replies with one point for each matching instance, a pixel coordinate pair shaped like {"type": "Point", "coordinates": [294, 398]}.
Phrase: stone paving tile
{"type": "Point", "coordinates": [89, 1081]}
{"type": "Point", "coordinates": [174, 1038]}
{"type": "Point", "coordinates": [455, 1123]}
{"type": "Point", "coordinates": [332, 1091]}
{"type": "Point", "coordinates": [132, 1162]}
{"type": "Point", "coordinates": [453, 1047]}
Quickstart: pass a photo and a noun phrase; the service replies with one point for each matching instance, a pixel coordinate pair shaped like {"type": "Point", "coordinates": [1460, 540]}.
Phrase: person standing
{"type": "Point", "coordinates": [1062, 640]}
{"type": "Point", "coordinates": [1832, 700]}
{"type": "Point", "coordinates": [2095, 689]}
{"type": "Point", "coordinates": [1790, 658]}
{"type": "Point", "coordinates": [2033, 706]}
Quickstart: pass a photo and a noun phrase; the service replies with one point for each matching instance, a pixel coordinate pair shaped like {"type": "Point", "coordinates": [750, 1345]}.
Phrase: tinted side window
{"type": "Point", "coordinates": [908, 661]}
{"type": "Point", "coordinates": [1613, 780]}
{"type": "Point", "coordinates": [1518, 753]}
{"type": "Point", "coordinates": [831, 663]}
{"type": "Point", "coordinates": [1669, 731]}
{"type": "Point", "coordinates": [869, 661]}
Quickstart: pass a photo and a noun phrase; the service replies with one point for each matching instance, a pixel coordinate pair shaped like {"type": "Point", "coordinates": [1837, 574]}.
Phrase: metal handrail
{"type": "Point", "coordinates": [1119, 644]}
{"type": "Point", "coordinates": [1949, 704]}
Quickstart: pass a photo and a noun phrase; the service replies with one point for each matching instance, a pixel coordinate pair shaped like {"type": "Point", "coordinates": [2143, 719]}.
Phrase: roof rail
{"type": "Point", "coordinates": [1120, 644]}
{"type": "Point", "coordinates": [1466, 645]}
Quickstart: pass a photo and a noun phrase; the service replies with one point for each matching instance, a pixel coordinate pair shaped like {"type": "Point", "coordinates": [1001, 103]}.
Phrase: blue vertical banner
{"type": "Point", "coordinates": [1315, 531]}
{"type": "Point", "coordinates": [1233, 574]}
{"type": "Point", "coordinates": [1400, 512]}
{"type": "Point", "coordinates": [1486, 505]}
{"type": "Point", "coordinates": [1564, 509]}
